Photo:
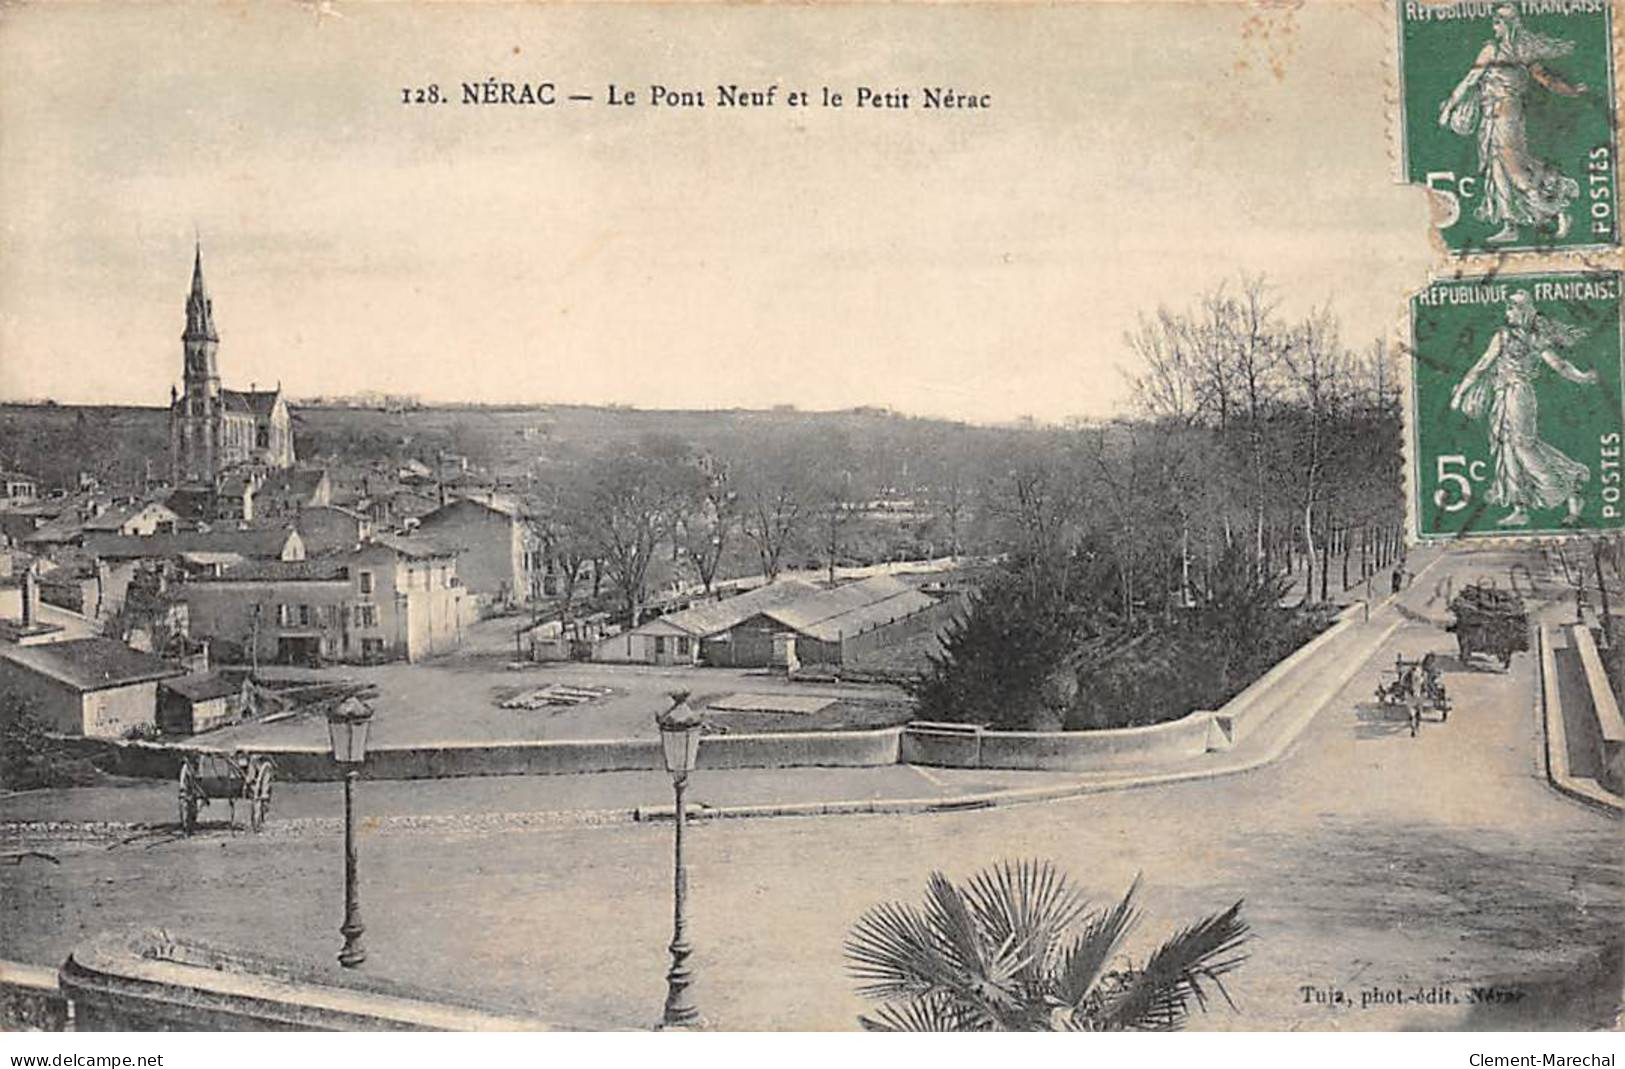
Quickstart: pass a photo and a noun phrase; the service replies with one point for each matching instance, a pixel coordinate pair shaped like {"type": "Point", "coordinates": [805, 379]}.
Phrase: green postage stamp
{"type": "Point", "coordinates": [1508, 112]}
{"type": "Point", "coordinates": [1516, 419]}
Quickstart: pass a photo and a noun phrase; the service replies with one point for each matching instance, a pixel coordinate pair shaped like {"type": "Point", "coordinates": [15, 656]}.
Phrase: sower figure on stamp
{"type": "Point", "coordinates": [1519, 190]}
{"type": "Point", "coordinates": [1529, 473]}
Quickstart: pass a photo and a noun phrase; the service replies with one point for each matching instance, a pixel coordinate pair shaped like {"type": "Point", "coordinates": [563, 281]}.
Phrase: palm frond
{"type": "Point", "coordinates": [1088, 954]}
{"type": "Point", "coordinates": [1158, 996]}
{"type": "Point", "coordinates": [894, 954]}
{"type": "Point", "coordinates": [1028, 903]}
{"type": "Point", "coordinates": [982, 970]}
{"type": "Point", "coordinates": [932, 1013]}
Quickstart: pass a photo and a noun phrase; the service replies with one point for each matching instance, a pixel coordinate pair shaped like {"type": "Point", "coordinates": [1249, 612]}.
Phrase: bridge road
{"type": "Point", "coordinates": [1370, 862]}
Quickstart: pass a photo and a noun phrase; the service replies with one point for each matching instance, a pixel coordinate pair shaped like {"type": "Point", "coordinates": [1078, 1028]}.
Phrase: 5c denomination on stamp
{"type": "Point", "coordinates": [1509, 117]}
{"type": "Point", "coordinates": [1516, 418]}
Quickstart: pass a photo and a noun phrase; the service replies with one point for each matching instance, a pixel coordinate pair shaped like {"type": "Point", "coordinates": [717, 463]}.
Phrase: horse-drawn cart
{"type": "Point", "coordinates": [1415, 684]}
{"type": "Point", "coordinates": [228, 777]}
{"type": "Point", "coordinates": [1489, 620]}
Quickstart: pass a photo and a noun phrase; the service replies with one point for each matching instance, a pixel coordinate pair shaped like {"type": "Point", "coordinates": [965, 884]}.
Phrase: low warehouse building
{"type": "Point", "coordinates": [197, 702]}
{"type": "Point", "coordinates": [86, 686]}
{"type": "Point", "coordinates": [677, 638]}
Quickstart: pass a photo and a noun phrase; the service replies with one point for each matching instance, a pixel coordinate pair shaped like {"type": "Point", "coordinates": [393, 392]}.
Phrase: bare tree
{"type": "Point", "coordinates": [1317, 368]}
{"type": "Point", "coordinates": [630, 502]}
{"type": "Point", "coordinates": [771, 499]}
{"type": "Point", "coordinates": [708, 522]}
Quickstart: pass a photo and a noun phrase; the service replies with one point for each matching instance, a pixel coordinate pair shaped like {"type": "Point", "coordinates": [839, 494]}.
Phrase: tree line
{"type": "Point", "coordinates": [1159, 562]}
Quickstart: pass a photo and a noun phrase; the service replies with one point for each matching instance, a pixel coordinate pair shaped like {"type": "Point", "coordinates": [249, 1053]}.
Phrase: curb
{"type": "Point", "coordinates": [1588, 792]}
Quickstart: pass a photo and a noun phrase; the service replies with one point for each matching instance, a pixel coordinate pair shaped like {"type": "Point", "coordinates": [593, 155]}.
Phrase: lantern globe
{"type": "Point", "coordinates": [680, 730]}
{"type": "Point", "coordinates": [347, 725]}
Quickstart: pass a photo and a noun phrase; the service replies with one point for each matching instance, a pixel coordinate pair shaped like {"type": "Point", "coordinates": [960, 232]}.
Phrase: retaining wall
{"type": "Point", "coordinates": [836, 749]}
{"type": "Point", "coordinates": [963, 746]}
{"type": "Point", "coordinates": [1610, 727]}
{"type": "Point", "coordinates": [30, 999]}
{"type": "Point", "coordinates": [149, 981]}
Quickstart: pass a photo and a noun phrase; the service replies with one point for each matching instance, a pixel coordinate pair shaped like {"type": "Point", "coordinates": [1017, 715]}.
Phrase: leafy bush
{"type": "Point", "coordinates": [997, 658]}
{"type": "Point", "coordinates": [30, 757]}
{"type": "Point", "coordinates": [1045, 648]}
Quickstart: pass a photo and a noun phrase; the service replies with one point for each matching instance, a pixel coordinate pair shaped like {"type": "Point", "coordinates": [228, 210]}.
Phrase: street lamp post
{"type": "Point", "coordinates": [680, 743]}
{"type": "Point", "coordinates": [347, 730]}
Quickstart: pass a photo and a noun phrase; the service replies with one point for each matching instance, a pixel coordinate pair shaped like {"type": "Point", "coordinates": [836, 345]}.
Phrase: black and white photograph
{"type": "Point", "coordinates": [759, 518]}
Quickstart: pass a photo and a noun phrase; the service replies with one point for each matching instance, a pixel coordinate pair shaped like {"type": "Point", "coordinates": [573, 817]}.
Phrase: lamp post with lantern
{"type": "Point", "coordinates": [347, 725]}
{"type": "Point", "coordinates": [680, 743]}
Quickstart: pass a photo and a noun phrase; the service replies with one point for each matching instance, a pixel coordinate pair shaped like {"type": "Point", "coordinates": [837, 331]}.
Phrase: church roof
{"type": "Point", "coordinates": [257, 403]}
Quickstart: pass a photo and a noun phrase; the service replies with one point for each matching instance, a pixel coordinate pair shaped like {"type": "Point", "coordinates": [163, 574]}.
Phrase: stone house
{"type": "Point", "coordinates": [86, 686]}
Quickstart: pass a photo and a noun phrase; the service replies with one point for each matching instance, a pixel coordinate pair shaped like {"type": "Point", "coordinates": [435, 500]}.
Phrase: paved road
{"type": "Point", "coordinates": [1369, 861]}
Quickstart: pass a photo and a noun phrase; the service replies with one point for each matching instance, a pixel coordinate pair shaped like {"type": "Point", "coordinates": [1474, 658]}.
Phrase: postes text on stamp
{"type": "Point", "coordinates": [1516, 418]}
{"type": "Point", "coordinates": [1509, 117]}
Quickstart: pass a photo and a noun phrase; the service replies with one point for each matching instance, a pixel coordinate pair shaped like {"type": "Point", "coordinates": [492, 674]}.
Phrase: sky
{"type": "Point", "coordinates": [973, 264]}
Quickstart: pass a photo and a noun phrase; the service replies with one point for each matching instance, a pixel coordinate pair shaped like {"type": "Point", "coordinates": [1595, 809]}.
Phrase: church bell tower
{"type": "Point", "coordinates": [194, 417]}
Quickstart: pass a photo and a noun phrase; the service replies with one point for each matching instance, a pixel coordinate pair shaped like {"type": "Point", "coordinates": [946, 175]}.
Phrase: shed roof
{"type": "Point", "coordinates": [89, 664]}
{"type": "Point", "coordinates": [202, 686]}
{"type": "Point", "coordinates": [714, 617]}
{"type": "Point", "coordinates": [850, 609]}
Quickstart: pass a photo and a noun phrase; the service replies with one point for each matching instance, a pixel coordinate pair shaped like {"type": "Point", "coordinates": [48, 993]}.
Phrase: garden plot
{"type": "Point", "coordinates": [793, 704]}
{"type": "Point", "coordinates": [555, 694]}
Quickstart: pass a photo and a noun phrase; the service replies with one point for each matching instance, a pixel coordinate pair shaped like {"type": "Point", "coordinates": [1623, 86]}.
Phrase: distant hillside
{"type": "Point", "coordinates": [113, 442]}
{"type": "Point", "coordinates": [55, 442]}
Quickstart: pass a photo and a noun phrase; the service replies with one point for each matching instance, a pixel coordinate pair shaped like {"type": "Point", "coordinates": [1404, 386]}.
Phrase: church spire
{"type": "Point", "coordinates": [199, 309]}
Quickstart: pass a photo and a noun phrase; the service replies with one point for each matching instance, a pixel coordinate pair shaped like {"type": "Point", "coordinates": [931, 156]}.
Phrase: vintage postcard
{"type": "Point", "coordinates": [591, 518]}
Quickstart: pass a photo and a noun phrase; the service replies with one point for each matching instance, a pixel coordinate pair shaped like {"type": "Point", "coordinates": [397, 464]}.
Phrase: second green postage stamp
{"type": "Point", "coordinates": [1517, 425]}
{"type": "Point", "coordinates": [1509, 118]}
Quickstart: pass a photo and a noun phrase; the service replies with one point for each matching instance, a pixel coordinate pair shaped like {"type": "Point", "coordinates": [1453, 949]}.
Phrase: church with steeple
{"type": "Point", "coordinates": [212, 429]}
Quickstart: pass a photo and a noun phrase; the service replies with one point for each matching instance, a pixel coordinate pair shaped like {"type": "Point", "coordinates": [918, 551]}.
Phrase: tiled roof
{"type": "Point", "coordinates": [191, 503]}
{"type": "Point", "coordinates": [297, 482]}
{"type": "Point", "coordinates": [266, 542]}
{"type": "Point", "coordinates": [501, 507]}
{"type": "Point", "coordinates": [281, 571]}
{"type": "Point", "coordinates": [114, 518]}
{"type": "Point", "coordinates": [90, 663]}
{"type": "Point", "coordinates": [64, 528]}
{"type": "Point", "coordinates": [418, 547]}
{"type": "Point", "coordinates": [201, 686]}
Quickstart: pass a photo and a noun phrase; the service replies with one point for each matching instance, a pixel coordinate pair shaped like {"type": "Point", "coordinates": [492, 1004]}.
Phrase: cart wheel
{"type": "Point", "coordinates": [187, 801]}
{"type": "Point", "coordinates": [260, 807]}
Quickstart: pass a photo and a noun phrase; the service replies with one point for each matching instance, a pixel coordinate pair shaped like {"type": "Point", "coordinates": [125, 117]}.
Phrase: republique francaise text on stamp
{"type": "Point", "coordinates": [1517, 426]}
{"type": "Point", "coordinates": [1508, 112]}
